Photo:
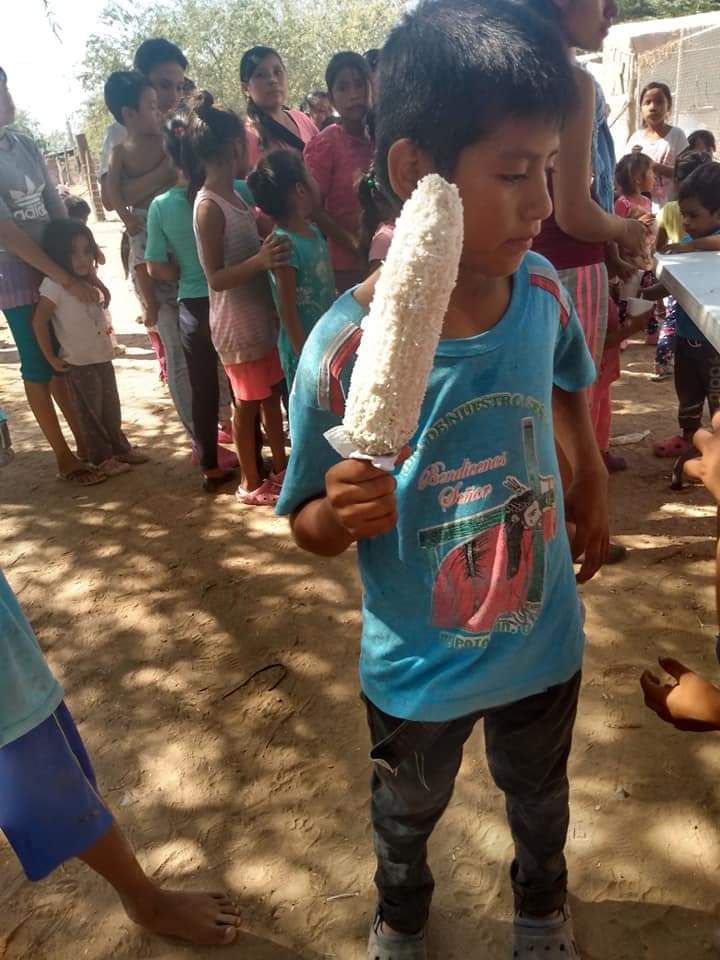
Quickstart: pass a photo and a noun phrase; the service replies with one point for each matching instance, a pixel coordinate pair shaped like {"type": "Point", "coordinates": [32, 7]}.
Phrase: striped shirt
{"type": "Point", "coordinates": [243, 321]}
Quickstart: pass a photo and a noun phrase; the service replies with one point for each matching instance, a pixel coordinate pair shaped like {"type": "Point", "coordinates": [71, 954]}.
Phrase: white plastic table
{"type": "Point", "coordinates": [694, 280]}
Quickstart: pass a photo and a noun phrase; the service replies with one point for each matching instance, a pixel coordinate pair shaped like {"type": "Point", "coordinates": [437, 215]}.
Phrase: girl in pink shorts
{"type": "Point", "coordinates": [243, 322]}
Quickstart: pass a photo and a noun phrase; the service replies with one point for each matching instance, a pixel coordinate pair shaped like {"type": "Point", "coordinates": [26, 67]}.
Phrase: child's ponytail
{"type": "Point", "coordinates": [210, 132]}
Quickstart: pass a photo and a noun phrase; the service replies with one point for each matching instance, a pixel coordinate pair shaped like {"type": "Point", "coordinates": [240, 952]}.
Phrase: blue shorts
{"type": "Point", "coordinates": [50, 809]}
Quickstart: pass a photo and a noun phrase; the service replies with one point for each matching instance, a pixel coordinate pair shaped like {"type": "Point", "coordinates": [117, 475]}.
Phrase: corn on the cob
{"type": "Point", "coordinates": [406, 316]}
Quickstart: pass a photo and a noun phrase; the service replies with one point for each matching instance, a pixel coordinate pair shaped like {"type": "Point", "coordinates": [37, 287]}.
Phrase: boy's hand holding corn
{"type": "Point", "coordinates": [361, 499]}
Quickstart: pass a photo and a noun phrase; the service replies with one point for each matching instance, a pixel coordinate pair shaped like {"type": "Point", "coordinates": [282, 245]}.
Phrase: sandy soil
{"type": "Point", "coordinates": [155, 604]}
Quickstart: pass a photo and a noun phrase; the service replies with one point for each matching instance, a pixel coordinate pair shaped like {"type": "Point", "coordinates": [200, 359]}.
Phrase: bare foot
{"type": "Point", "coordinates": [199, 918]}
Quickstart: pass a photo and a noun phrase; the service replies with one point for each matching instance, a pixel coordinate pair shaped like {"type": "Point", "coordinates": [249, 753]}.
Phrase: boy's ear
{"type": "Point", "coordinates": [407, 164]}
{"type": "Point", "coordinates": [125, 112]}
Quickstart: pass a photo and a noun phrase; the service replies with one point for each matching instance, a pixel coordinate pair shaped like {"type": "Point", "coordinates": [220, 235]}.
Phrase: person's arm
{"type": "Point", "coordinates": [41, 327]}
{"type": "Point", "coordinates": [137, 188]}
{"type": "Point", "coordinates": [616, 265]}
{"type": "Point", "coordinates": [575, 211]}
{"type": "Point", "coordinates": [320, 160]}
{"type": "Point", "coordinates": [359, 504]}
{"type": "Point", "coordinates": [163, 271]}
{"type": "Point", "coordinates": [332, 229]}
{"type": "Point", "coordinates": [701, 245]}
{"type": "Point", "coordinates": [273, 253]}
{"type": "Point", "coordinates": [97, 282]}
{"type": "Point", "coordinates": [286, 280]}
{"type": "Point", "coordinates": [586, 503]}
{"type": "Point", "coordinates": [632, 325]}
{"type": "Point", "coordinates": [115, 191]}
{"type": "Point", "coordinates": [691, 703]}
{"type": "Point", "coordinates": [17, 242]}
{"type": "Point", "coordinates": [661, 241]}
{"type": "Point", "coordinates": [157, 248]}
{"type": "Point", "coordinates": [664, 170]}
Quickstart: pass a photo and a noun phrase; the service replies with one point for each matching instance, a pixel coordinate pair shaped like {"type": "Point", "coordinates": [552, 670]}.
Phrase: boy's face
{"type": "Point", "coordinates": [698, 221]}
{"type": "Point", "coordinates": [503, 185]}
{"type": "Point", "coordinates": [169, 82]}
{"type": "Point", "coordinates": [147, 118]}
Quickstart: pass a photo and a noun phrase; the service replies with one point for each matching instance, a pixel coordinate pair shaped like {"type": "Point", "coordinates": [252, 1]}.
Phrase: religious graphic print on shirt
{"type": "Point", "coordinates": [489, 567]}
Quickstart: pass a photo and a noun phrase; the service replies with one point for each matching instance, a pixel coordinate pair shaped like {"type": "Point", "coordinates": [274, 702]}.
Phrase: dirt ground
{"type": "Point", "coordinates": [155, 604]}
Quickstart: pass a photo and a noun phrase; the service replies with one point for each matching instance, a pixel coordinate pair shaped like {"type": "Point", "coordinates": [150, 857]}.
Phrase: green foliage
{"type": "Point", "coordinates": [24, 123]}
{"type": "Point", "coordinates": [214, 34]}
{"type": "Point", "coordinates": [659, 9]}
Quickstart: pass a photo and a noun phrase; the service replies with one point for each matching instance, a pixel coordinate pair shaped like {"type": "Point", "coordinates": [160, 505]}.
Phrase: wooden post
{"type": "Point", "coordinates": [88, 167]}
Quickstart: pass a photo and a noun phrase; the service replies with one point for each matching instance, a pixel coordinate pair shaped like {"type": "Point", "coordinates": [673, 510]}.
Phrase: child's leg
{"type": "Point", "coordinates": [407, 802]}
{"type": "Point", "coordinates": [665, 352]}
{"type": "Point", "coordinates": [244, 419]}
{"type": "Point", "coordinates": [111, 412]}
{"type": "Point", "coordinates": [200, 918]}
{"type": "Point", "coordinates": [62, 395]}
{"type": "Point", "coordinates": [88, 390]}
{"type": "Point", "coordinates": [146, 288]}
{"type": "Point", "coordinates": [689, 386]}
{"type": "Point", "coordinates": [202, 364]}
{"type": "Point", "coordinates": [178, 377]}
{"type": "Point", "coordinates": [273, 423]}
{"type": "Point", "coordinates": [224, 398]}
{"type": "Point", "coordinates": [527, 745]}
{"type": "Point", "coordinates": [51, 811]}
{"type": "Point", "coordinates": [159, 351]}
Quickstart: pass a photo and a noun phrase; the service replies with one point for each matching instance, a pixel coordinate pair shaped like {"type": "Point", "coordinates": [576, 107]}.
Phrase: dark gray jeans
{"type": "Point", "coordinates": [415, 765]}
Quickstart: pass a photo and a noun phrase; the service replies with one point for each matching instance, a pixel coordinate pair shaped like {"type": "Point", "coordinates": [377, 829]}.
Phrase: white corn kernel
{"type": "Point", "coordinates": [403, 327]}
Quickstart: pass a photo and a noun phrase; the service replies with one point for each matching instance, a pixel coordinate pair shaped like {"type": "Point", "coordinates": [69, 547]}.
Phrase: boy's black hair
{"type": "Point", "coordinates": [341, 61]}
{"type": "Point", "coordinates": [272, 180]}
{"type": "Point", "coordinates": [151, 53]}
{"type": "Point", "coordinates": [703, 185]}
{"type": "Point", "coordinates": [77, 208]}
{"type": "Point", "coordinates": [702, 136]}
{"type": "Point", "coordinates": [453, 71]}
{"type": "Point", "coordinates": [630, 168]}
{"type": "Point", "coordinates": [687, 162]}
{"type": "Point", "coordinates": [123, 88]}
{"type": "Point", "coordinates": [58, 240]}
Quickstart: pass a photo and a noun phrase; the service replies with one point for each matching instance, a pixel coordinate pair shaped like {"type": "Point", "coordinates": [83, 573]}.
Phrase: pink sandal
{"type": "Point", "coordinates": [266, 495]}
{"type": "Point", "coordinates": [674, 447]}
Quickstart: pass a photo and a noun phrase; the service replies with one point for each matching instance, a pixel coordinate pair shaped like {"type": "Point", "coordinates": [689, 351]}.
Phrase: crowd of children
{"type": "Point", "coordinates": [254, 248]}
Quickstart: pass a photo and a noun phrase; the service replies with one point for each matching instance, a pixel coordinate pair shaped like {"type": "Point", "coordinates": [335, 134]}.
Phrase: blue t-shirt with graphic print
{"type": "Point", "coordinates": [470, 602]}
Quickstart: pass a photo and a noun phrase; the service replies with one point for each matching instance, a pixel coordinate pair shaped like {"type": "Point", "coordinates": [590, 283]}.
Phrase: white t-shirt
{"type": "Point", "coordinates": [81, 328]}
{"type": "Point", "coordinates": [663, 151]}
{"type": "Point", "coordinates": [114, 135]}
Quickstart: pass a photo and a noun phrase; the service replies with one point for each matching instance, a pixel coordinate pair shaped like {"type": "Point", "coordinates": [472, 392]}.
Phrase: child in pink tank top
{"type": "Point", "coordinates": [243, 321]}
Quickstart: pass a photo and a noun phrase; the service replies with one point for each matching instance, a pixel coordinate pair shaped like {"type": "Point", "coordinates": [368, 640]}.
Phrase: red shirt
{"type": "Point", "coordinates": [563, 251]}
{"type": "Point", "coordinates": [337, 161]}
{"type": "Point", "coordinates": [306, 131]}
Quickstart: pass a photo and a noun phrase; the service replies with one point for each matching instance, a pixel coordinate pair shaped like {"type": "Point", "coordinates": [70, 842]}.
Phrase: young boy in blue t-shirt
{"type": "Point", "coordinates": [470, 607]}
